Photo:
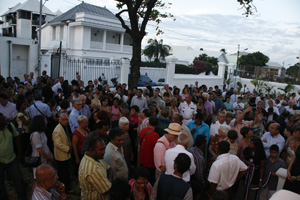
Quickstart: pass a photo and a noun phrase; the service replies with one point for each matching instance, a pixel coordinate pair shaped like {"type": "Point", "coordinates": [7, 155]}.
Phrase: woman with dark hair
{"type": "Point", "coordinates": [290, 122]}
{"type": "Point", "coordinates": [22, 119]}
{"type": "Point", "coordinates": [115, 111]}
{"type": "Point", "coordinates": [104, 104]}
{"type": "Point", "coordinates": [38, 140]}
{"type": "Point", "coordinates": [176, 93]}
{"type": "Point", "coordinates": [254, 156]}
{"type": "Point", "coordinates": [200, 107]}
{"type": "Point", "coordinates": [140, 186]}
{"type": "Point", "coordinates": [247, 133]}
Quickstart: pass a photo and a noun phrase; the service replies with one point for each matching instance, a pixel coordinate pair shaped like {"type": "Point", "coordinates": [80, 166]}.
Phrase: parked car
{"type": "Point", "coordinates": [161, 81]}
{"type": "Point", "coordinates": [143, 80]}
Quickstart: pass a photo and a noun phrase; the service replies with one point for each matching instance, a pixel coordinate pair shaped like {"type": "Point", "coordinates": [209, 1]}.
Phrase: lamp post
{"type": "Point", "coordinates": [237, 65]}
{"type": "Point", "coordinates": [40, 35]}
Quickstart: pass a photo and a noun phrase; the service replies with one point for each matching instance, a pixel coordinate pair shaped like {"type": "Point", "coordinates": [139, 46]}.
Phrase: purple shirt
{"type": "Point", "coordinates": [208, 108]}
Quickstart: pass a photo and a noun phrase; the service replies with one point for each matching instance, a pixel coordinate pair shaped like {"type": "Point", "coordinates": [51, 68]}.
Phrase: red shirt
{"type": "Point", "coordinates": [80, 141]}
{"type": "Point", "coordinates": [147, 147]}
{"type": "Point", "coordinates": [133, 119]}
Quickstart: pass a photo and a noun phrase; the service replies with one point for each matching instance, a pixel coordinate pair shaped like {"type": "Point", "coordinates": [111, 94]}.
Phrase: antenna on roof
{"type": "Point", "coordinates": [81, 1]}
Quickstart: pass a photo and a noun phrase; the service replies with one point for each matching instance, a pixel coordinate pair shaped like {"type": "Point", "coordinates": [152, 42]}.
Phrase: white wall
{"type": "Point", "coordinates": [24, 28]}
{"type": "Point", "coordinates": [32, 55]}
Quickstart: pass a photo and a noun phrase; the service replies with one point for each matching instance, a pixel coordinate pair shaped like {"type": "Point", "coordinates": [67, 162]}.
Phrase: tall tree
{"type": "Point", "coordinates": [293, 70]}
{"type": "Point", "coordinates": [139, 13]}
{"type": "Point", "coordinates": [156, 49]}
{"type": "Point", "coordinates": [211, 62]}
{"type": "Point", "coordinates": [253, 62]}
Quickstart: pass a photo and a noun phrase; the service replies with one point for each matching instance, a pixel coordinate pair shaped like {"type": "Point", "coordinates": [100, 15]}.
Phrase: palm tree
{"type": "Point", "coordinates": [268, 88]}
{"type": "Point", "coordinates": [228, 82]}
{"type": "Point", "coordinates": [156, 49]}
{"type": "Point", "coordinates": [258, 83]}
{"type": "Point", "coordinates": [287, 88]}
{"type": "Point", "coordinates": [239, 86]}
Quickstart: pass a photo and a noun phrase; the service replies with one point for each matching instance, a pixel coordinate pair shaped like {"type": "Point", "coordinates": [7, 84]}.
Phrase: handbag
{"type": "Point", "coordinates": [30, 161]}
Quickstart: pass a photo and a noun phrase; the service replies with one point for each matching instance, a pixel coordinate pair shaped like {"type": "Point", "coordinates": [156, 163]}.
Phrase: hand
{"type": "Point", "coordinates": [292, 178]}
{"type": "Point", "coordinates": [77, 161]}
{"type": "Point", "coordinates": [194, 130]}
{"type": "Point", "coordinates": [264, 140]}
{"type": "Point", "coordinates": [50, 157]}
{"type": "Point", "coordinates": [163, 168]}
{"type": "Point", "coordinates": [60, 187]}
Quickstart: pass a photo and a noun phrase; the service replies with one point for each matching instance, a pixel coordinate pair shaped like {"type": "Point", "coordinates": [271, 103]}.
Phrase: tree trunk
{"type": "Point", "coordinates": [135, 63]}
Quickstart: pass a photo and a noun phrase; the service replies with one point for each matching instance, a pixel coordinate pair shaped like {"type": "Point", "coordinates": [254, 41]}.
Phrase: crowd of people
{"type": "Point", "coordinates": [128, 143]}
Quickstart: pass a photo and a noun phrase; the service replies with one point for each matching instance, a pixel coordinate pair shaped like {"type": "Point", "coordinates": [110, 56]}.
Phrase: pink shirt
{"type": "Point", "coordinates": [160, 149]}
{"type": "Point", "coordinates": [115, 113]}
{"type": "Point", "coordinates": [239, 126]}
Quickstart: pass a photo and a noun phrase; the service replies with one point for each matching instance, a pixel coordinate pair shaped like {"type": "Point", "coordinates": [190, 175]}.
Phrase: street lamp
{"type": "Point", "coordinates": [237, 65]}
{"type": "Point", "coordinates": [40, 35]}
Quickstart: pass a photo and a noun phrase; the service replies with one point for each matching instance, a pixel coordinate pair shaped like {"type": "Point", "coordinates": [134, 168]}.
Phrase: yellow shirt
{"type": "Point", "coordinates": [93, 179]}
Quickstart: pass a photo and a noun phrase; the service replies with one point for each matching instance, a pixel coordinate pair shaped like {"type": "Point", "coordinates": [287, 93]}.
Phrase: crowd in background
{"type": "Point", "coordinates": [152, 143]}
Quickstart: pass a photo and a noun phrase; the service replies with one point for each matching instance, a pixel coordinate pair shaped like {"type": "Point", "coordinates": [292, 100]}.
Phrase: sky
{"type": "Point", "coordinates": [212, 25]}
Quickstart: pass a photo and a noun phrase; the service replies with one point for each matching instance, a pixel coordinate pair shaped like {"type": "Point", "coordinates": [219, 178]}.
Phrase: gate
{"type": "Point", "coordinates": [90, 69]}
{"type": "Point", "coordinates": [54, 66]}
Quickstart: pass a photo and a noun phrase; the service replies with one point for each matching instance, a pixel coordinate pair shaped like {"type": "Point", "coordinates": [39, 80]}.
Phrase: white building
{"type": "Point", "coordinates": [86, 32]}
{"type": "Point", "coordinates": [18, 42]}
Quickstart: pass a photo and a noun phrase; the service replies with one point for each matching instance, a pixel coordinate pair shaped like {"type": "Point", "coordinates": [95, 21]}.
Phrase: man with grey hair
{"type": "Point", "coordinates": [156, 99]}
{"type": "Point", "coordinates": [171, 154]}
{"type": "Point", "coordinates": [85, 110]}
{"type": "Point", "coordinates": [75, 114]}
{"type": "Point", "coordinates": [177, 118]}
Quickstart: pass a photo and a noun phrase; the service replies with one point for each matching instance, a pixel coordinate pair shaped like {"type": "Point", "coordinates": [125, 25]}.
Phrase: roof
{"type": "Point", "coordinates": [29, 5]}
{"type": "Point", "coordinates": [83, 7]}
{"type": "Point", "coordinates": [273, 65]}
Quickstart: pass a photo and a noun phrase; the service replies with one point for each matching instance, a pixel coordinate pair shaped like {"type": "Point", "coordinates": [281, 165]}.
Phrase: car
{"type": "Point", "coordinates": [161, 81]}
{"type": "Point", "coordinates": [143, 80]}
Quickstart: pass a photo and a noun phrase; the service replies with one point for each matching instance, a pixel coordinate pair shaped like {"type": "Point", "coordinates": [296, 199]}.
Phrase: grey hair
{"type": "Point", "coordinates": [205, 94]}
{"type": "Point", "coordinates": [183, 139]}
{"type": "Point", "coordinates": [122, 122]}
{"type": "Point", "coordinates": [225, 128]}
{"type": "Point", "coordinates": [76, 100]}
{"type": "Point", "coordinates": [173, 98]}
{"type": "Point", "coordinates": [82, 118]}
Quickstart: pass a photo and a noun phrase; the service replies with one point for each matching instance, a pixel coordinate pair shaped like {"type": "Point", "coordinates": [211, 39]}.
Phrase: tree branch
{"type": "Point", "coordinates": [150, 6]}
{"type": "Point", "coordinates": [118, 15]}
{"type": "Point", "coordinates": [137, 6]}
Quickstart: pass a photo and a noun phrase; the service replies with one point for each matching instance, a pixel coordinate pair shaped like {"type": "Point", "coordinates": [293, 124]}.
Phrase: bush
{"type": "Point", "coordinates": [153, 64]}
{"type": "Point", "coordinates": [183, 69]}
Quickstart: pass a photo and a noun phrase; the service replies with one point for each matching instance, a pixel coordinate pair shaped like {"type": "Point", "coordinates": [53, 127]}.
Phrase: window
{"type": "Point", "coordinates": [54, 33]}
{"type": "Point", "coordinates": [24, 15]}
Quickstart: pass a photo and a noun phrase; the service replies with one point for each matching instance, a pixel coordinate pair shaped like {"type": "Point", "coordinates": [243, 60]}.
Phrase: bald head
{"type": "Point", "coordinates": [183, 139]}
{"type": "Point", "coordinates": [44, 172]}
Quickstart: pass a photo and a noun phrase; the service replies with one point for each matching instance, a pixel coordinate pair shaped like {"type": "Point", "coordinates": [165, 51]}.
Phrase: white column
{"type": "Point", "coordinates": [104, 40]}
{"type": "Point", "coordinates": [170, 70]}
{"type": "Point", "coordinates": [221, 70]}
{"type": "Point", "coordinates": [124, 71]}
{"type": "Point", "coordinates": [122, 41]}
{"type": "Point", "coordinates": [230, 70]}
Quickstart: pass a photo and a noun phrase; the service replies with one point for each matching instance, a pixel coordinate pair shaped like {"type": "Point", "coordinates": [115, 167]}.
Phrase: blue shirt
{"type": "Point", "coordinates": [85, 110]}
{"type": "Point", "coordinates": [44, 108]}
{"type": "Point", "coordinates": [203, 129]}
{"type": "Point", "coordinates": [219, 104]}
{"type": "Point", "coordinates": [73, 119]}
{"type": "Point", "coordinates": [229, 105]}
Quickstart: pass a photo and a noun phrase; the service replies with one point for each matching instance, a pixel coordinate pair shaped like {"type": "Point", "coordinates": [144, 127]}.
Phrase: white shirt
{"type": "Point", "coordinates": [215, 128]}
{"type": "Point", "coordinates": [187, 111]}
{"type": "Point", "coordinates": [237, 105]}
{"type": "Point", "coordinates": [170, 156]}
{"type": "Point", "coordinates": [291, 110]}
{"type": "Point", "coordinates": [56, 87]}
{"type": "Point", "coordinates": [233, 98]}
{"type": "Point", "coordinates": [278, 139]}
{"type": "Point", "coordinates": [275, 110]}
{"type": "Point", "coordinates": [225, 170]}
{"type": "Point", "coordinates": [9, 110]}
{"type": "Point", "coordinates": [244, 90]}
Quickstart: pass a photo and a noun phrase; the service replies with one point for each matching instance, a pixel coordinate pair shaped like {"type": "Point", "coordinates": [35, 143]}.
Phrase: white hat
{"type": "Point", "coordinates": [174, 129]}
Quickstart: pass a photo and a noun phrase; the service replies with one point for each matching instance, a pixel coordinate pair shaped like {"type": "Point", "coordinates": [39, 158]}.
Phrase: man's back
{"type": "Point", "coordinates": [224, 171]}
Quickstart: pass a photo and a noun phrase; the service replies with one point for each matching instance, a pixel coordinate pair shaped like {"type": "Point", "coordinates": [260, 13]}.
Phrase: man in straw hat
{"type": "Point", "coordinates": [163, 144]}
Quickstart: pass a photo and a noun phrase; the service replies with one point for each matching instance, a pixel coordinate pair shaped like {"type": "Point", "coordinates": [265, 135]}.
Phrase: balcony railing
{"type": "Point", "coordinates": [96, 45]}
{"type": "Point", "coordinates": [113, 47]}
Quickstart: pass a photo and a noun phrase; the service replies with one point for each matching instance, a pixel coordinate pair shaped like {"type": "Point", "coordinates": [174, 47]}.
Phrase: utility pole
{"type": "Point", "coordinates": [237, 65]}
{"type": "Point", "coordinates": [39, 46]}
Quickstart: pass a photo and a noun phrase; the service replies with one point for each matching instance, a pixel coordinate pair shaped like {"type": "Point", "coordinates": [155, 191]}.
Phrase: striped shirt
{"type": "Point", "coordinates": [199, 162]}
{"type": "Point", "coordinates": [93, 179]}
{"type": "Point", "coordinates": [42, 194]}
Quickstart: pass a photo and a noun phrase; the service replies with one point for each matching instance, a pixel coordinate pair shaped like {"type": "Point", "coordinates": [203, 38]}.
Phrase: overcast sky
{"type": "Point", "coordinates": [215, 24]}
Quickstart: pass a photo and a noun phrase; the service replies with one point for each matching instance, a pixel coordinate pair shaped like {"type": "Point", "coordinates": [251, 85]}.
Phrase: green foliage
{"type": "Point", "coordinates": [183, 69]}
{"type": "Point", "coordinates": [254, 59]}
{"type": "Point", "coordinates": [287, 88]}
{"type": "Point", "coordinates": [248, 7]}
{"type": "Point", "coordinates": [258, 83]}
{"type": "Point", "coordinates": [153, 64]}
{"type": "Point", "coordinates": [293, 70]}
{"type": "Point", "coordinates": [212, 62]}
{"type": "Point", "coordinates": [157, 50]}
{"type": "Point", "coordinates": [239, 86]}
{"type": "Point", "coordinates": [268, 88]}
{"type": "Point", "coordinates": [228, 82]}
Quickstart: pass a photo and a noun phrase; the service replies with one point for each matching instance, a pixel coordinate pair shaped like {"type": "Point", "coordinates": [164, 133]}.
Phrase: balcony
{"type": "Point", "coordinates": [96, 45]}
{"type": "Point", "coordinates": [127, 48]}
{"type": "Point", "coordinates": [12, 21]}
{"type": "Point", "coordinates": [113, 47]}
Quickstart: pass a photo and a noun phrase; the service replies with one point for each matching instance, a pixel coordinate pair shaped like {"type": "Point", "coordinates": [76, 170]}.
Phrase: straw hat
{"type": "Point", "coordinates": [174, 129]}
